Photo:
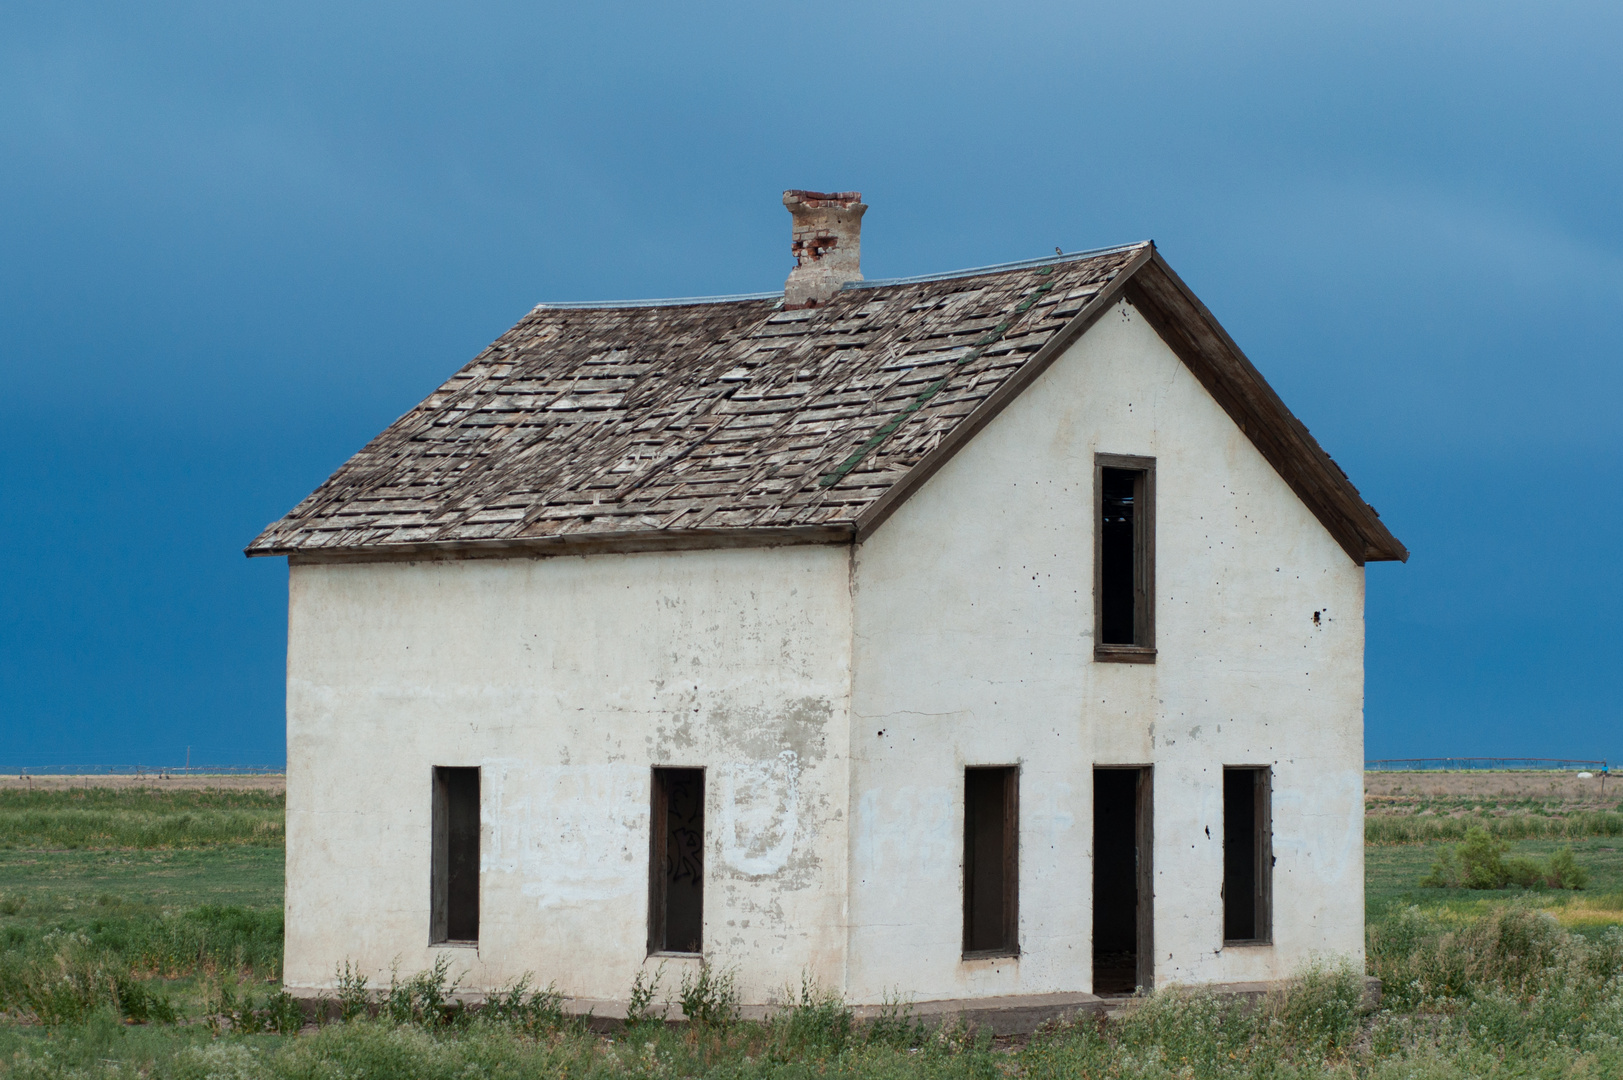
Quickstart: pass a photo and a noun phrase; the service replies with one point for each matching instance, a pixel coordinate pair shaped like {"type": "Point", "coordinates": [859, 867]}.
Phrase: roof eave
{"type": "Point", "coordinates": [543, 547]}
{"type": "Point", "coordinates": [1193, 332]}
{"type": "Point", "coordinates": [1012, 387]}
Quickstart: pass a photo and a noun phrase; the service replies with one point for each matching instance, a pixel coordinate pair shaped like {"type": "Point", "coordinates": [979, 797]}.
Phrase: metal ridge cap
{"type": "Point", "coordinates": [675, 301]}
{"type": "Point", "coordinates": [976, 271]}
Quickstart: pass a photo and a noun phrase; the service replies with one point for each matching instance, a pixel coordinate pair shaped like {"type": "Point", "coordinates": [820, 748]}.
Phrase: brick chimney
{"type": "Point", "coordinates": [827, 245]}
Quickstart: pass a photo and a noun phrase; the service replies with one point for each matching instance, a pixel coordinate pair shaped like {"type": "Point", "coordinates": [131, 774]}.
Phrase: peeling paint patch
{"type": "Point", "coordinates": [568, 832]}
{"type": "Point", "coordinates": [759, 810]}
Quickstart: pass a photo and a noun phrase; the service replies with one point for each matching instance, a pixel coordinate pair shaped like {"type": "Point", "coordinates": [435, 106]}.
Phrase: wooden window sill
{"type": "Point", "coordinates": [993, 954]}
{"type": "Point", "coordinates": [1124, 654]}
{"type": "Point", "coordinates": [453, 945]}
{"type": "Point", "coordinates": [1248, 943]}
{"type": "Point", "coordinates": [667, 955]}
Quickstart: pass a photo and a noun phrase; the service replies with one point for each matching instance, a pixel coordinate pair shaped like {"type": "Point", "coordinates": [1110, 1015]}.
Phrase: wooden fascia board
{"type": "Point", "coordinates": [1011, 388]}
{"type": "Point", "coordinates": [545, 547]}
{"type": "Point", "coordinates": [1192, 332]}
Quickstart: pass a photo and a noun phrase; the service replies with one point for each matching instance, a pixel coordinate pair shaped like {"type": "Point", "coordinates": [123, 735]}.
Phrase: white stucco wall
{"type": "Point", "coordinates": [834, 697]}
{"type": "Point", "coordinates": [566, 679]}
{"type": "Point", "coordinates": [973, 610]}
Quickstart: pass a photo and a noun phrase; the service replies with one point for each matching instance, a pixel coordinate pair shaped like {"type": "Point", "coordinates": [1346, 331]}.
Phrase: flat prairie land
{"type": "Point", "coordinates": [1478, 788]}
{"type": "Point", "coordinates": [42, 880]}
{"type": "Point", "coordinates": [276, 783]}
{"type": "Point", "coordinates": [141, 930]}
{"type": "Point", "coordinates": [1414, 807]}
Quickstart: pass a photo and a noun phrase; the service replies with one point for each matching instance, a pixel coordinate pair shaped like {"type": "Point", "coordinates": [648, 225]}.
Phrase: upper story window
{"type": "Point", "coordinates": [1124, 559]}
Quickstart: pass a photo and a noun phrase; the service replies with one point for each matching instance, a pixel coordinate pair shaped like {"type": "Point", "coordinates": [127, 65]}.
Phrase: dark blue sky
{"type": "Point", "coordinates": [237, 240]}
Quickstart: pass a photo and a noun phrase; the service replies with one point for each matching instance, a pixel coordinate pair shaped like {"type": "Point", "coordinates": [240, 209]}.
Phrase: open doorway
{"type": "Point", "coordinates": [1123, 894]}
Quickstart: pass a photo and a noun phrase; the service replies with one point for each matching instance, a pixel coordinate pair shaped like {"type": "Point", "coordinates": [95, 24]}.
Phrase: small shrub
{"type": "Point", "coordinates": [354, 1000]}
{"type": "Point", "coordinates": [1525, 873]}
{"type": "Point", "coordinates": [71, 980]}
{"type": "Point", "coordinates": [709, 998]}
{"type": "Point", "coordinates": [640, 1002]}
{"type": "Point", "coordinates": [533, 1012]}
{"type": "Point", "coordinates": [1565, 873]}
{"type": "Point", "coordinates": [427, 999]}
{"type": "Point", "coordinates": [1320, 1013]}
{"type": "Point", "coordinates": [896, 1027]}
{"type": "Point", "coordinates": [66, 989]}
{"type": "Point", "coordinates": [279, 1012]}
{"type": "Point", "coordinates": [140, 1004]}
{"type": "Point", "coordinates": [1482, 860]}
{"type": "Point", "coordinates": [1445, 872]}
{"type": "Point", "coordinates": [1481, 864]}
{"type": "Point", "coordinates": [813, 1019]}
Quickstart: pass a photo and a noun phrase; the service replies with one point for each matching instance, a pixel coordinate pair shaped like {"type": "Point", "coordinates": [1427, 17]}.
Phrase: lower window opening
{"type": "Point", "coordinates": [455, 875]}
{"type": "Point", "coordinates": [1247, 855]}
{"type": "Point", "coordinates": [991, 861]}
{"type": "Point", "coordinates": [676, 885]}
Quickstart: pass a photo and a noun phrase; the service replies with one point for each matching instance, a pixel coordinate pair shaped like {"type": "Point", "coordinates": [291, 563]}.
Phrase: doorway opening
{"type": "Point", "coordinates": [1123, 895]}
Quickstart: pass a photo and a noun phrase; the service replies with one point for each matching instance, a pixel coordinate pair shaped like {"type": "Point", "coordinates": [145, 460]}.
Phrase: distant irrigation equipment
{"type": "Point", "coordinates": [1487, 764]}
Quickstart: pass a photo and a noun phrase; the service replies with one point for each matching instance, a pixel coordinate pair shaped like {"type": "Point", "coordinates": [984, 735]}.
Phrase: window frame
{"type": "Point", "coordinates": [658, 840]}
{"type": "Point", "coordinates": [1262, 858]}
{"type": "Point", "coordinates": [440, 856]}
{"type": "Point", "coordinates": [1010, 869]}
{"type": "Point", "coordinates": [1142, 650]}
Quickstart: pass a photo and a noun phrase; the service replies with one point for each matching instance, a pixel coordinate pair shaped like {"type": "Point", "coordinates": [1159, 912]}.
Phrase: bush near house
{"type": "Point", "coordinates": [1481, 864]}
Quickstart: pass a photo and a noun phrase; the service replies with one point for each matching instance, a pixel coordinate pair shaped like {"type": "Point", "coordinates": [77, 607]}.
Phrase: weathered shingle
{"type": "Point", "coordinates": [672, 422]}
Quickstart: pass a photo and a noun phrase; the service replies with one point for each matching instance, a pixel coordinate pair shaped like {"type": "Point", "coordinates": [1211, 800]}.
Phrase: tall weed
{"type": "Point", "coordinates": [354, 999]}
{"type": "Point", "coordinates": [278, 1011]}
{"type": "Point", "coordinates": [814, 1019]}
{"type": "Point", "coordinates": [72, 981]}
{"type": "Point", "coordinates": [521, 1008]}
{"type": "Point", "coordinates": [640, 1002]}
{"type": "Point", "coordinates": [427, 999]}
{"type": "Point", "coordinates": [709, 998]}
{"type": "Point", "coordinates": [1315, 1019]}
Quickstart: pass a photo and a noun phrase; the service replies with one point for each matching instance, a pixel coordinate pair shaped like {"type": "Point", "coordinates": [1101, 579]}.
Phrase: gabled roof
{"type": "Point", "coordinates": [730, 421]}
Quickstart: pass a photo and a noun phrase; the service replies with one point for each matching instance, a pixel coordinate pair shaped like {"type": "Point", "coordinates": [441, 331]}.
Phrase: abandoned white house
{"type": "Point", "coordinates": [981, 634]}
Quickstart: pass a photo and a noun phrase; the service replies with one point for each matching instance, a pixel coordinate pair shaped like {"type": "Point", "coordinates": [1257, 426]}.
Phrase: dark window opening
{"type": "Point", "coordinates": [676, 885]}
{"type": "Point", "coordinates": [455, 873]}
{"type": "Point", "coordinates": [991, 861]}
{"type": "Point", "coordinates": [1247, 855]}
{"type": "Point", "coordinates": [1123, 950]}
{"type": "Point", "coordinates": [1116, 557]}
{"type": "Point", "coordinates": [1124, 558]}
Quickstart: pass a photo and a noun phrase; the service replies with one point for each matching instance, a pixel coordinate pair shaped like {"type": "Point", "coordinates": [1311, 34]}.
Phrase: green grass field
{"type": "Point", "coordinates": [139, 818]}
{"type": "Point", "coordinates": [128, 920]}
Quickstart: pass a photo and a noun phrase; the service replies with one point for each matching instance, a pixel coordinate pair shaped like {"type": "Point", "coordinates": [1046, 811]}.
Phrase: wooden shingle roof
{"type": "Point", "coordinates": [680, 424]}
